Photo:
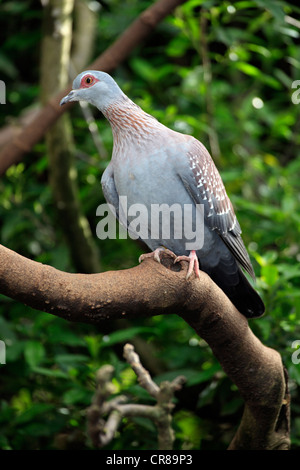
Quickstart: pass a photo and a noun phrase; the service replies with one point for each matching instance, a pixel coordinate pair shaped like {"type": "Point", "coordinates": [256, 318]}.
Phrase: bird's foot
{"type": "Point", "coordinates": [193, 263]}
{"type": "Point", "coordinates": [156, 254]}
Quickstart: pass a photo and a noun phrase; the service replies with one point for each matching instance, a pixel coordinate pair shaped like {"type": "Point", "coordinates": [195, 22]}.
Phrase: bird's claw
{"type": "Point", "coordinates": [156, 254]}
{"type": "Point", "coordinates": [192, 259]}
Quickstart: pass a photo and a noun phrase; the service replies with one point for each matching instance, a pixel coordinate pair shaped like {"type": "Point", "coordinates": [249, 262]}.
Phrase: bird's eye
{"type": "Point", "coordinates": [87, 81]}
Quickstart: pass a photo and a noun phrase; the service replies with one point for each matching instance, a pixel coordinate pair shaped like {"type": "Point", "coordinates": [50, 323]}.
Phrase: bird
{"type": "Point", "coordinates": [152, 164]}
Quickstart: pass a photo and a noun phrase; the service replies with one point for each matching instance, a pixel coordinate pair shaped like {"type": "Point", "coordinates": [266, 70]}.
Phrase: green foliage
{"type": "Point", "coordinates": [241, 96]}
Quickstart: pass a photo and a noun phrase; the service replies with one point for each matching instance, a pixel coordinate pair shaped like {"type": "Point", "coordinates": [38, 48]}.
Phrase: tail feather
{"type": "Point", "coordinates": [242, 295]}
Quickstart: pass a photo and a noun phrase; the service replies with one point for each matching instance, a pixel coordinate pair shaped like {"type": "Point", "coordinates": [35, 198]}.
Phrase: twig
{"type": "Point", "coordinates": [142, 374]}
{"type": "Point", "coordinates": [102, 432]}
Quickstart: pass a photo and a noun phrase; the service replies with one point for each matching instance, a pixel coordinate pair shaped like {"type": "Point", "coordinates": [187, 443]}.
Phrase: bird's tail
{"type": "Point", "coordinates": [243, 296]}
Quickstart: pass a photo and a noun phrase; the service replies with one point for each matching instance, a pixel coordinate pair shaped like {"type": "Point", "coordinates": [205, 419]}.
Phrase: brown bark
{"type": "Point", "coordinates": [32, 132]}
{"type": "Point", "coordinates": [152, 289]}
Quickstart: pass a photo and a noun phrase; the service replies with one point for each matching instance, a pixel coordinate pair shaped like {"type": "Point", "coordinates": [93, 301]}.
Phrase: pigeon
{"type": "Point", "coordinates": [153, 166]}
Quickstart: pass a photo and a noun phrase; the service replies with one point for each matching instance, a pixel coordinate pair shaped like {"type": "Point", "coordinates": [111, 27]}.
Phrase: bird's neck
{"type": "Point", "coordinates": [129, 122]}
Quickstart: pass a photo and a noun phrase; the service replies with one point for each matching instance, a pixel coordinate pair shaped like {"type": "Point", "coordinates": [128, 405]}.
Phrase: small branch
{"type": "Point", "coordinates": [109, 429]}
{"type": "Point", "coordinates": [142, 374]}
{"type": "Point", "coordinates": [104, 386]}
{"type": "Point", "coordinates": [102, 432]}
{"type": "Point", "coordinates": [161, 414]}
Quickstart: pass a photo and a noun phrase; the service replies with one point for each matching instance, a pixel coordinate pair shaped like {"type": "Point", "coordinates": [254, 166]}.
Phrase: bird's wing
{"type": "Point", "coordinates": [109, 189]}
{"type": "Point", "coordinates": [205, 186]}
{"type": "Point", "coordinates": [112, 198]}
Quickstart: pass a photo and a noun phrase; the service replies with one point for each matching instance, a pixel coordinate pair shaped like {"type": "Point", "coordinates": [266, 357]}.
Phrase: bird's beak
{"type": "Point", "coordinates": [68, 98]}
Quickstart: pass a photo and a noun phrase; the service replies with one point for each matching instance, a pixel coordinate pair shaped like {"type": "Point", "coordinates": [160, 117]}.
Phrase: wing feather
{"type": "Point", "coordinates": [208, 189]}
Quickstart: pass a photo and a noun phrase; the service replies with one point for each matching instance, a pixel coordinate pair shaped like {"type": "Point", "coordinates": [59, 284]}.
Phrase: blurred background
{"type": "Point", "coordinates": [221, 71]}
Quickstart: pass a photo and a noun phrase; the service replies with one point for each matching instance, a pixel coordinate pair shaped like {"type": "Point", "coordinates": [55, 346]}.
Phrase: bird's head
{"type": "Point", "coordinates": [94, 87]}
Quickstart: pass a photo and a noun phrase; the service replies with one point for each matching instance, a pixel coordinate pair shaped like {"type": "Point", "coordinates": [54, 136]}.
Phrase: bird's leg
{"type": "Point", "coordinates": [193, 263]}
{"type": "Point", "coordinates": [156, 254]}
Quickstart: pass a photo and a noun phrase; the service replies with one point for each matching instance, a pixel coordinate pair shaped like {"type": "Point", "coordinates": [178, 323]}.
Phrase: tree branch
{"type": "Point", "coordinates": [102, 432]}
{"type": "Point", "coordinates": [142, 374]}
{"type": "Point", "coordinates": [33, 131]}
{"type": "Point", "coordinates": [151, 289]}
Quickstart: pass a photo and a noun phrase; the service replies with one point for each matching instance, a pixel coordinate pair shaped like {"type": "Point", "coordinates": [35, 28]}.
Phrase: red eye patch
{"type": "Point", "coordinates": [87, 81]}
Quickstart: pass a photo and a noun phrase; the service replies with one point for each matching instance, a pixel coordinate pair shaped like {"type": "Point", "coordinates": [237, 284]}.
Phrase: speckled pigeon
{"type": "Point", "coordinates": [152, 164]}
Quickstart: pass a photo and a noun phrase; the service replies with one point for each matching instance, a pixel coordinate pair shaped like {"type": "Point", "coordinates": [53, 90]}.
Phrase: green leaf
{"type": "Point", "coordinates": [34, 353]}
{"type": "Point", "coordinates": [124, 335]}
{"type": "Point", "coordinates": [77, 395]}
{"type": "Point", "coordinates": [72, 359]}
{"type": "Point", "coordinates": [58, 333]}
{"type": "Point", "coordinates": [143, 69]}
{"type": "Point", "coordinates": [253, 71]}
{"type": "Point", "coordinates": [7, 66]}
{"type": "Point", "coordinates": [31, 413]}
{"type": "Point", "coordinates": [94, 344]}
{"type": "Point", "coordinates": [192, 376]}
{"type": "Point", "coordinates": [274, 7]}
{"type": "Point", "coordinates": [51, 373]}
{"type": "Point", "coordinates": [190, 428]}
{"type": "Point", "coordinates": [269, 273]}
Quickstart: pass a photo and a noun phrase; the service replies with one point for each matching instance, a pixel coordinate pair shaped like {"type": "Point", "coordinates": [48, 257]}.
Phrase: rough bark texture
{"type": "Point", "coordinates": [153, 289]}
